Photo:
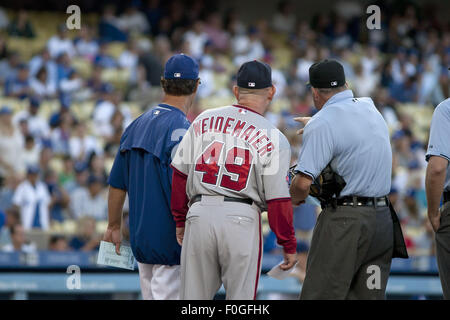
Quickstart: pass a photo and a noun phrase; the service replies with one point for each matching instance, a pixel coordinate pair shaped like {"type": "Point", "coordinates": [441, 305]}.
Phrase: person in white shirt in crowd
{"type": "Point", "coordinates": [284, 19]}
{"type": "Point", "coordinates": [42, 86]}
{"type": "Point", "coordinates": [86, 46]}
{"type": "Point", "coordinates": [128, 59]}
{"type": "Point", "coordinates": [82, 144]}
{"type": "Point", "coordinates": [104, 112]}
{"type": "Point", "coordinates": [304, 62]}
{"type": "Point", "coordinates": [32, 198]}
{"type": "Point", "coordinates": [11, 145]}
{"type": "Point", "coordinates": [90, 200]}
{"type": "Point", "coordinates": [255, 49]}
{"type": "Point", "coordinates": [365, 83]}
{"type": "Point", "coordinates": [133, 20]}
{"type": "Point", "coordinates": [31, 151]}
{"type": "Point", "coordinates": [60, 43]}
{"type": "Point", "coordinates": [44, 60]}
{"type": "Point", "coordinates": [19, 242]}
{"type": "Point", "coordinates": [71, 85]}
{"type": "Point", "coordinates": [196, 38]}
{"type": "Point", "coordinates": [37, 125]}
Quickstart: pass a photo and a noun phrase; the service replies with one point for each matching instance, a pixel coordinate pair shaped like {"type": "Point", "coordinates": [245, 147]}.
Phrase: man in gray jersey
{"type": "Point", "coordinates": [232, 164]}
{"type": "Point", "coordinates": [438, 179]}
{"type": "Point", "coordinates": [353, 236]}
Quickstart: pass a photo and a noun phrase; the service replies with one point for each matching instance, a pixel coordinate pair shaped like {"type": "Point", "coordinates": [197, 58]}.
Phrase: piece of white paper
{"type": "Point", "coordinates": [107, 256]}
{"type": "Point", "coordinates": [279, 274]}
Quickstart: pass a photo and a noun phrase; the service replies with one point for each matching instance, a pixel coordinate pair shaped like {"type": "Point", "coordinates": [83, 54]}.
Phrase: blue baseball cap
{"type": "Point", "coordinates": [33, 169]}
{"type": "Point", "coordinates": [181, 66]}
{"type": "Point", "coordinates": [35, 102]}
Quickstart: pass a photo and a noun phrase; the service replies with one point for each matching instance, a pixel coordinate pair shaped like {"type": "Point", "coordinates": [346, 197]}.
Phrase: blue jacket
{"type": "Point", "coordinates": [142, 168]}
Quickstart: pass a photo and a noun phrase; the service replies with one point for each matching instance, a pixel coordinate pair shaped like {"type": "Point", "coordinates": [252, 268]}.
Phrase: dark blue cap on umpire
{"type": "Point", "coordinates": [181, 66]}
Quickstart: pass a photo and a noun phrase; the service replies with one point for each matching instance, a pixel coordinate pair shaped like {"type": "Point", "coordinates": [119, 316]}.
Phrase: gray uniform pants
{"type": "Point", "coordinates": [222, 245]}
{"type": "Point", "coordinates": [350, 255]}
{"type": "Point", "coordinates": [443, 250]}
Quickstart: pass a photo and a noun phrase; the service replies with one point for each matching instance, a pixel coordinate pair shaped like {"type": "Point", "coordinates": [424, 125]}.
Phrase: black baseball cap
{"type": "Point", "coordinates": [326, 74]}
{"type": "Point", "coordinates": [254, 75]}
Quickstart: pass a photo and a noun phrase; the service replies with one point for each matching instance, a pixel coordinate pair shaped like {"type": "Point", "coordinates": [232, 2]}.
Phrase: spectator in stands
{"type": "Point", "coordinates": [196, 39]}
{"type": "Point", "coordinates": [60, 43]}
{"type": "Point", "coordinates": [81, 177]}
{"type": "Point", "coordinates": [31, 151]}
{"type": "Point", "coordinates": [110, 28]}
{"type": "Point", "coordinates": [214, 29]}
{"type": "Point", "coordinates": [96, 165]}
{"type": "Point", "coordinates": [32, 198]}
{"type": "Point", "coordinates": [60, 136]}
{"type": "Point", "coordinates": [90, 201]}
{"type": "Point", "coordinates": [152, 63]}
{"type": "Point", "coordinates": [66, 174]}
{"type": "Point", "coordinates": [37, 125]}
{"type": "Point", "coordinates": [86, 46]}
{"type": "Point", "coordinates": [18, 86]}
{"type": "Point", "coordinates": [87, 239]}
{"type": "Point", "coordinates": [11, 218]}
{"type": "Point", "coordinates": [133, 20]}
{"type": "Point", "coordinates": [103, 58]}
{"type": "Point", "coordinates": [63, 68]}
{"type": "Point", "coordinates": [42, 86]}
{"type": "Point", "coordinates": [11, 145]}
{"type": "Point", "coordinates": [128, 59]}
{"type": "Point", "coordinates": [9, 66]}
{"type": "Point", "coordinates": [284, 19]}
{"type": "Point", "coordinates": [19, 242]}
{"type": "Point", "coordinates": [58, 242]}
{"type": "Point", "coordinates": [81, 144]}
{"type": "Point", "coordinates": [21, 26]}
{"type": "Point", "coordinates": [59, 197]}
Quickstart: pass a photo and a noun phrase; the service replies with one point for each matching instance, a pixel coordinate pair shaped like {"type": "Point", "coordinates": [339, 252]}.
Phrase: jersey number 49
{"type": "Point", "coordinates": [238, 162]}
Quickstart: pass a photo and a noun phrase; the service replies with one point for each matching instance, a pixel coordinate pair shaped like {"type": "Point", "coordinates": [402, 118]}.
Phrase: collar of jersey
{"type": "Point", "coordinates": [168, 106]}
{"type": "Point", "coordinates": [246, 108]}
{"type": "Point", "coordinates": [347, 94]}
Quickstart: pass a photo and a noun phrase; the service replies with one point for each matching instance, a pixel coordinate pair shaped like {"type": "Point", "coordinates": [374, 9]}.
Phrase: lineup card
{"type": "Point", "coordinates": [107, 256]}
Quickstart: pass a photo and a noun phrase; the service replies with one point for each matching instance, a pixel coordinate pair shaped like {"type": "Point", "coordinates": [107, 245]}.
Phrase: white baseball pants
{"type": "Point", "coordinates": [222, 245]}
{"type": "Point", "coordinates": [159, 282]}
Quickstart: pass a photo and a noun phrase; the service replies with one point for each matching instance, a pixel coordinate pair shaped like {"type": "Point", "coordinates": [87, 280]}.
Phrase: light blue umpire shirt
{"type": "Point", "coordinates": [351, 134]}
{"type": "Point", "coordinates": [439, 143]}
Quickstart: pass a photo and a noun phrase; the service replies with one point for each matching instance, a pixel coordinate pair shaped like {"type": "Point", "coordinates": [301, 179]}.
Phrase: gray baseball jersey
{"type": "Point", "coordinates": [439, 143]}
{"type": "Point", "coordinates": [352, 134]}
{"type": "Point", "coordinates": [234, 151]}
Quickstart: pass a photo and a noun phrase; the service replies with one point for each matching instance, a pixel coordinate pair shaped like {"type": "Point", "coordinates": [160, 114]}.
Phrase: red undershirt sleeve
{"type": "Point", "coordinates": [179, 199]}
{"type": "Point", "coordinates": [280, 214]}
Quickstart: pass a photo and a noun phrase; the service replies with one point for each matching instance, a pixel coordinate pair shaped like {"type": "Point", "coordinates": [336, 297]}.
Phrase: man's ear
{"type": "Point", "coordinates": [272, 92]}
{"type": "Point", "coordinates": [236, 92]}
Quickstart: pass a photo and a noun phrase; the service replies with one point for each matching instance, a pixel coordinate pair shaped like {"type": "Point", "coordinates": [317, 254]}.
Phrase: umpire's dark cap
{"type": "Point", "coordinates": [254, 75]}
{"type": "Point", "coordinates": [326, 74]}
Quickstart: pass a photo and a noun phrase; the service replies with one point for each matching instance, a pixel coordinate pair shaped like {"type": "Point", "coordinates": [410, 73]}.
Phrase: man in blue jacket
{"type": "Point", "coordinates": [142, 169]}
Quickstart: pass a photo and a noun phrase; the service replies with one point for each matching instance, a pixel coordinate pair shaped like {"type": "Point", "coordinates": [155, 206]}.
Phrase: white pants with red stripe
{"type": "Point", "coordinates": [222, 245]}
{"type": "Point", "coordinates": [159, 282]}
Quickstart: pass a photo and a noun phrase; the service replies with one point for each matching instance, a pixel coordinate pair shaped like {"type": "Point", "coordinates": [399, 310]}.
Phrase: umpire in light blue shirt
{"type": "Point", "coordinates": [353, 236]}
{"type": "Point", "coordinates": [437, 183]}
{"type": "Point", "coordinates": [142, 170]}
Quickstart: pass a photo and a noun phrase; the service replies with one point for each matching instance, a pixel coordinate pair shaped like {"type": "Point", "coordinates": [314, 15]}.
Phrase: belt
{"type": "Point", "coordinates": [355, 201]}
{"type": "Point", "coordinates": [446, 196]}
{"type": "Point", "coordinates": [198, 198]}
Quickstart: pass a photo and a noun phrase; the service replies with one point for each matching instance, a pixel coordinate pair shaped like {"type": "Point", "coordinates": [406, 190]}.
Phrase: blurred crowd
{"type": "Point", "coordinates": [403, 63]}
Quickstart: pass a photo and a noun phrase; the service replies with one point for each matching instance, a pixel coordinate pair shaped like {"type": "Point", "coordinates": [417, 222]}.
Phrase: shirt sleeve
{"type": "Point", "coordinates": [439, 143]}
{"type": "Point", "coordinates": [317, 148]}
{"type": "Point", "coordinates": [275, 175]}
{"type": "Point", "coordinates": [118, 177]}
{"type": "Point", "coordinates": [183, 153]}
{"type": "Point", "coordinates": [179, 199]}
